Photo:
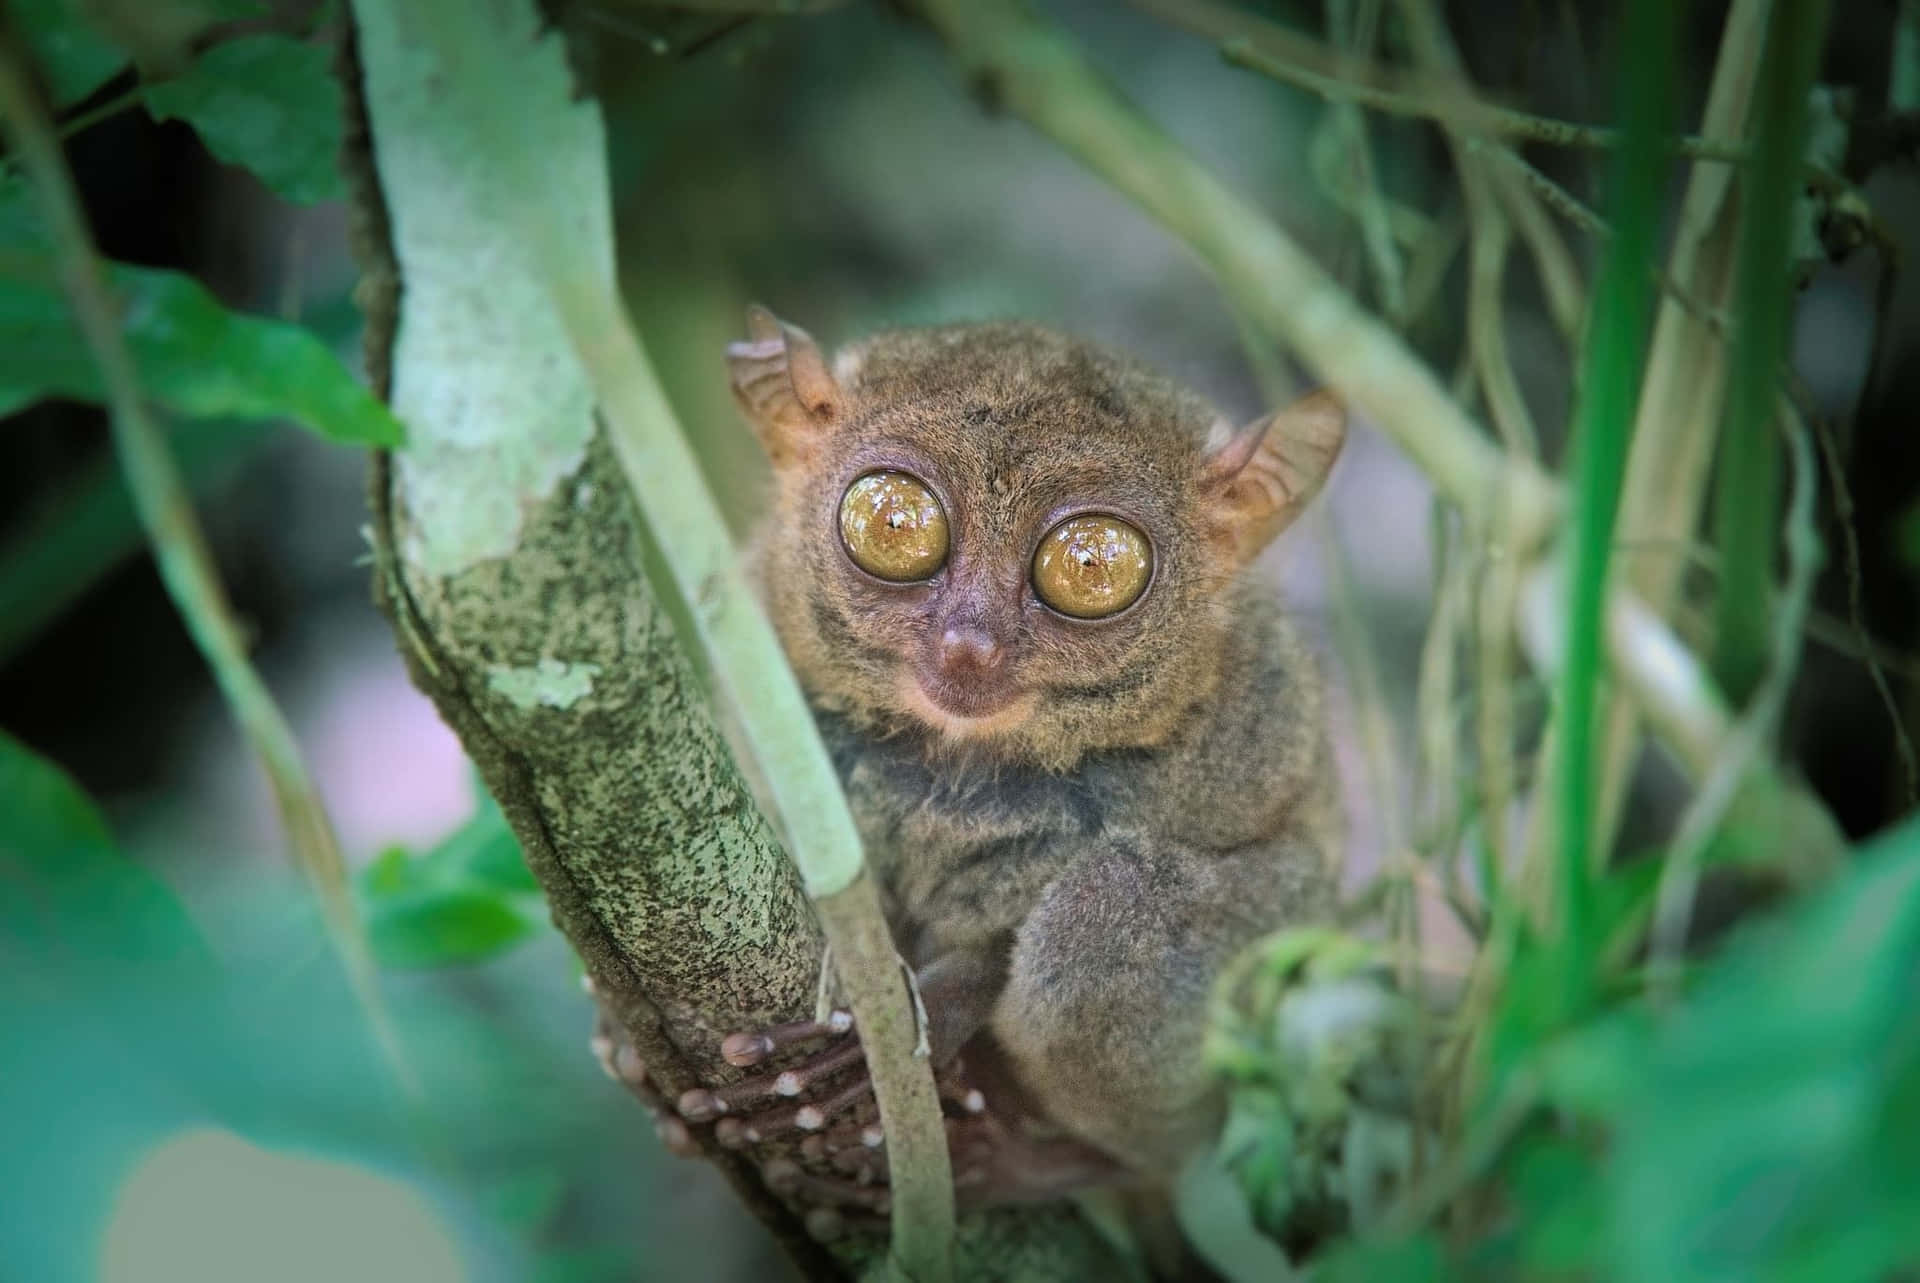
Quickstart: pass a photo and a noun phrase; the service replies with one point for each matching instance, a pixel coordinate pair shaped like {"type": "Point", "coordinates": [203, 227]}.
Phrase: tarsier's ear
{"type": "Point", "coordinates": [1265, 474]}
{"type": "Point", "coordinates": [783, 386]}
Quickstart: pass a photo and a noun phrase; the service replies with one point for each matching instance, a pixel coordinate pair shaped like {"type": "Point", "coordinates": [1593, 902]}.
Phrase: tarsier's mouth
{"type": "Point", "coordinates": [964, 710]}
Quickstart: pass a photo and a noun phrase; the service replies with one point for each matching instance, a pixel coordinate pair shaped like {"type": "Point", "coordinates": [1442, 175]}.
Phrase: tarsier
{"type": "Point", "coordinates": [1084, 749]}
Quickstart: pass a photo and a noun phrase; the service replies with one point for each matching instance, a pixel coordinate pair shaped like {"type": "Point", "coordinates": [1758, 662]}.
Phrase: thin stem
{"type": "Point", "coordinates": [79, 122]}
{"type": "Point", "coordinates": [165, 507]}
{"type": "Point", "coordinates": [1843, 516]}
{"type": "Point", "coordinates": [1383, 255]}
{"type": "Point", "coordinates": [1751, 735]}
{"type": "Point", "coordinates": [1459, 112]}
{"type": "Point", "coordinates": [1747, 481]}
{"type": "Point", "coordinates": [1616, 337]}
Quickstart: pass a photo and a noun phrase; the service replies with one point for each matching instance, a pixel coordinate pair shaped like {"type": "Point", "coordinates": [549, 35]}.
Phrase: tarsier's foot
{"type": "Point", "coordinates": [829, 1085]}
{"type": "Point", "coordinates": [838, 1177]}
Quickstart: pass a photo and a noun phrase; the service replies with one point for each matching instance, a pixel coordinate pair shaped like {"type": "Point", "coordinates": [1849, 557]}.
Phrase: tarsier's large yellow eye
{"type": "Point", "coordinates": [1091, 567]}
{"type": "Point", "coordinates": [893, 527]}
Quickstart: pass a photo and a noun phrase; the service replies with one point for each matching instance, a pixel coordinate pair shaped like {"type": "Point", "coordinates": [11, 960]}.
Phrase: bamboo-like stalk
{"type": "Point", "coordinates": [1751, 738]}
{"type": "Point", "coordinates": [1623, 301]}
{"type": "Point", "coordinates": [1746, 499]}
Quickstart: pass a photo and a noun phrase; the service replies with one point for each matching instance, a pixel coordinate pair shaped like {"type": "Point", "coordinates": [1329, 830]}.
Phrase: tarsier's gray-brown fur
{"type": "Point", "coordinates": [1077, 869]}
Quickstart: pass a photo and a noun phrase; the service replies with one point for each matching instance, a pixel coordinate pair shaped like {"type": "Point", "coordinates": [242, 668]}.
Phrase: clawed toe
{"type": "Point", "coordinates": [745, 1050]}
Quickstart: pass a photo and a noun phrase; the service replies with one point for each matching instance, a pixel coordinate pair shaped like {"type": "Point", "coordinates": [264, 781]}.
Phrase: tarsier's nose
{"type": "Point", "coordinates": [968, 650]}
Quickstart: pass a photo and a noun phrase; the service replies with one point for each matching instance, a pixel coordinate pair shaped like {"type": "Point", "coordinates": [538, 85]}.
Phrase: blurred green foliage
{"type": "Point", "coordinates": [1758, 1127]}
{"type": "Point", "coordinates": [71, 55]}
{"type": "Point", "coordinates": [466, 900]}
{"type": "Point", "coordinates": [269, 103]}
{"type": "Point", "coordinates": [194, 356]}
{"type": "Point", "coordinates": [132, 1024]}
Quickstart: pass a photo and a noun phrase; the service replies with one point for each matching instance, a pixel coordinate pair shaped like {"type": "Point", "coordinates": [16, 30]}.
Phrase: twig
{"type": "Point", "coordinates": [186, 566]}
{"type": "Point", "coordinates": [1461, 113]}
{"type": "Point", "coordinates": [1432, 256]}
{"type": "Point", "coordinates": [82, 121]}
{"type": "Point", "coordinates": [1438, 769]}
{"type": "Point", "coordinates": [1355, 32]}
{"type": "Point", "coordinates": [1746, 479]}
{"type": "Point", "coordinates": [1370, 712]}
{"type": "Point", "coordinates": [1856, 606]}
{"type": "Point", "coordinates": [1750, 736]}
{"type": "Point", "coordinates": [776, 728]}
{"type": "Point", "coordinates": [1495, 601]}
{"type": "Point", "coordinates": [1571, 208]}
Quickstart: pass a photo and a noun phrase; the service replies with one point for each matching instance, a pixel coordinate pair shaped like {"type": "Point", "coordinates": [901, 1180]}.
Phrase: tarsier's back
{"type": "Point", "coordinates": [1086, 753]}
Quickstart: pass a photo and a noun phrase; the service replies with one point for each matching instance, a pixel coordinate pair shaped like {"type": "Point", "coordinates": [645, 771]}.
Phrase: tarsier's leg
{"type": "Point", "coordinates": [1104, 1009]}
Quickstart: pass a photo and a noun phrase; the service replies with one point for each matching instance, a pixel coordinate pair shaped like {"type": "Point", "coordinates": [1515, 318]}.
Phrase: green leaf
{"type": "Point", "coordinates": [73, 57]}
{"type": "Point", "coordinates": [1763, 1130]}
{"type": "Point", "coordinates": [194, 356]}
{"type": "Point", "coordinates": [444, 927]}
{"type": "Point", "coordinates": [70, 893]}
{"type": "Point", "coordinates": [485, 851]}
{"type": "Point", "coordinates": [269, 103]}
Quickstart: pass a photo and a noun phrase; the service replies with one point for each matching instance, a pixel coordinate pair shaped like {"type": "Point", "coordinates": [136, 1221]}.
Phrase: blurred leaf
{"type": "Point", "coordinates": [465, 900]}
{"type": "Point", "coordinates": [393, 872]}
{"type": "Point", "coordinates": [99, 960]}
{"type": "Point", "coordinates": [1765, 1130]}
{"type": "Point", "coordinates": [269, 103]}
{"type": "Point", "coordinates": [1556, 1206]}
{"type": "Point", "coordinates": [528, 1198]}
{"type": "Point", "coordinates": [1415, 1260]}
{"type": "Point", "coordinates": [75, 59]}
{"type": "Point", "coordinates": [443, 927]}
{"type": "Point", "coordinates": [1213, 1214]}
{"type": "Point", "coordinates": [62, 869]}
{"type": "Point", "coordinates": [194, 356]}
{"type": "Point", "coordinates": [485, 850]}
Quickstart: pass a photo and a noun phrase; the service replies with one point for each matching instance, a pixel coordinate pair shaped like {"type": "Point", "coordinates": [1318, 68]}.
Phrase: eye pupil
{"type": "Point", "coordinates": [893, 527]}
{"type": "Point", "coordinates": [1092, 566]}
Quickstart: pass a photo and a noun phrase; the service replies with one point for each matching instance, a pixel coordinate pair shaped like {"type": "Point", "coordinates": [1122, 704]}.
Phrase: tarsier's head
{"type": "Point", "coordinates": [1006, 540]}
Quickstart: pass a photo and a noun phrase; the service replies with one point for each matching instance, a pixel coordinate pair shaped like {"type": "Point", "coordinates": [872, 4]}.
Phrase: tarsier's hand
{"type": "Point", "coordinates": [837, 1176]}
